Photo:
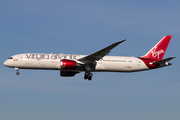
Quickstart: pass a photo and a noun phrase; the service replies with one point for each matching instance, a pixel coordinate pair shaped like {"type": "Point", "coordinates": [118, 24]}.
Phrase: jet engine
{"type": "Point", "coordinates": [67, 64]}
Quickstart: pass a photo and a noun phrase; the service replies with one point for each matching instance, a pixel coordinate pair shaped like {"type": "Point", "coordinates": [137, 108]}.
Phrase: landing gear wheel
{"type": "Point", "coordinates": [17, 69]}
{"type": "Point", "coordinates": [85, 77]}
{"type": "Point", "coordinates": [88, 76]}
{"type": "Point", "coordinates": [86, 73]}
{"type": "Point", "coordinates": [17, 73]}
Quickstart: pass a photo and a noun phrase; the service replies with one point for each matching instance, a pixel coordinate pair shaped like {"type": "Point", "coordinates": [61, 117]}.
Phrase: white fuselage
{"type": "Point", "coordinates": [52, 62]}
{"type": "Point", "coordinates": [71, 64]}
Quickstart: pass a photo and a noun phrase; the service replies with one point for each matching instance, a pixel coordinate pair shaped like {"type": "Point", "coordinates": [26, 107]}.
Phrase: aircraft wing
{"type": "Point", "coordinates": [99, 54]}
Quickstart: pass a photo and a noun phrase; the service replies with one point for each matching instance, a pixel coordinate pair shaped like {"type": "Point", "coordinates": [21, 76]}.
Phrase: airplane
{"type": "Point", "coordinates": [71, 64]}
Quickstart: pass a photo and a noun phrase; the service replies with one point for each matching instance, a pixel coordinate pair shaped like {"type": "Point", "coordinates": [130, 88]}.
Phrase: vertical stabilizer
{"type": "Point", "coordinates": [158, 51]}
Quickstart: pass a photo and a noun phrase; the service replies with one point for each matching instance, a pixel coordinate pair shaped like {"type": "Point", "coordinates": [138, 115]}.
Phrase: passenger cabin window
{"type": "Point", "coordinates": [10, 58]}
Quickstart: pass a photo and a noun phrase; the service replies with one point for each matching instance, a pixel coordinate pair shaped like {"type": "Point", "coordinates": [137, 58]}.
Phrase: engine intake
{"type": "Point", "coordinates": [67, 64]}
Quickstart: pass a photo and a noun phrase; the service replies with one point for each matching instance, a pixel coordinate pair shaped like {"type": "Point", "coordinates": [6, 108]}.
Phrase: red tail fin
{"type": "Point", "coordinates": [158, 51]}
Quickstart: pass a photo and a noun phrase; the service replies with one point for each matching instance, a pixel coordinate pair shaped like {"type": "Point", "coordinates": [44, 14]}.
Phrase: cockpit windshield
{"type": "Point", "coordinates": [10, 58]}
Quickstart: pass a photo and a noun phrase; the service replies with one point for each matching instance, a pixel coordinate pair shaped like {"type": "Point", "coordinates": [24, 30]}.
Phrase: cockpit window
{"type": "Point", "coordinates": [10, 58]}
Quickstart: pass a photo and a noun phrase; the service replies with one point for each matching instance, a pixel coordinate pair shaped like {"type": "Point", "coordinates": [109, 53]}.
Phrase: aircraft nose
{"type": "Point", "coordinates": [5, 63]}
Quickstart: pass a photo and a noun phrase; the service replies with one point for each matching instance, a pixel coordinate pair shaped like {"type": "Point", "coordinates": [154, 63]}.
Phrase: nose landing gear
{"type": "Point", "coordinates": [88, 75]}
{"type": "Point", "coordinates": [17, 71]}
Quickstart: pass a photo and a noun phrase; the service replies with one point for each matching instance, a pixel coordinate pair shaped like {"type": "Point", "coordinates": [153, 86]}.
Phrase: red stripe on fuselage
{"type": "Point", "coordinates": [149, 62]}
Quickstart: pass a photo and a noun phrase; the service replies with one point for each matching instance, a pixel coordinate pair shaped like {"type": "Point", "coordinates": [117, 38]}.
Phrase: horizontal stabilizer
{"type": "Point", "coordinates": [163, 61]}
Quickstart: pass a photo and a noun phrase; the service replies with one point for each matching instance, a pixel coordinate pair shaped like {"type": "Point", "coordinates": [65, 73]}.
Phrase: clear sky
{"type": "Point", "coordinates": [83, 27]}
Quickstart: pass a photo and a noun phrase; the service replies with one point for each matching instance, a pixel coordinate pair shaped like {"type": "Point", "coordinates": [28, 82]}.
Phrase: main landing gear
{"type": "Point", "coordinates": [17, 69]}
{"type": "Point", "coordinates": [88, 75]}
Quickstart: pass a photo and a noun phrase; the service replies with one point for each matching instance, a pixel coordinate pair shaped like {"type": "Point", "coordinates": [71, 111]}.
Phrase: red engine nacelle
{"type": "Point", "coordinates": [67, 64]}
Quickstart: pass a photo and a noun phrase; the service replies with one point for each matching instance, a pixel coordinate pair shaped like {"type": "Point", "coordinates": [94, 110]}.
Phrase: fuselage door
{"type": "Point", "coordinates": [138, 62]}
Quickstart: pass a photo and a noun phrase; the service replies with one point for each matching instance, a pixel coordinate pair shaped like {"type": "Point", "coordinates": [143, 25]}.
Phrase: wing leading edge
{"type": "Point", "coordinates": [99, 54]}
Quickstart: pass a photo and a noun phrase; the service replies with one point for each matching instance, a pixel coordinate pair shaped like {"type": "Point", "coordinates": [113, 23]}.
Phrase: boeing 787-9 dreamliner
{"type": "Point", "coordinates": [71, 64]}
